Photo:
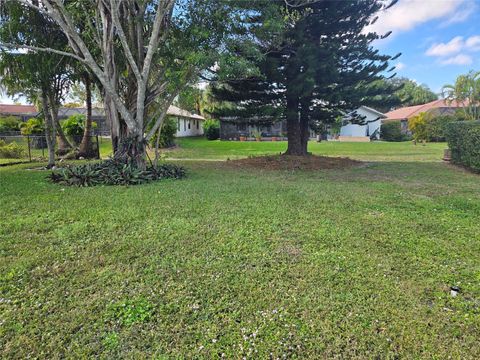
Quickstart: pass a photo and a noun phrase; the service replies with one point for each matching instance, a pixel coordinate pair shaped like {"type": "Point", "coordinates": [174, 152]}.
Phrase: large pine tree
{"type": "Point", "coordinates": [313, 60]}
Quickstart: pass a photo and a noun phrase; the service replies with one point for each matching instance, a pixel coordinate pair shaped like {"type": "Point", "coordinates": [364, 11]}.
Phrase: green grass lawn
{"type": "Point", "coordinates": [10, 161]}
{"type": "Point", "coordinates": [353, 263]}
{"type": "Point", "coordinates": [200, 148]}
{"type": "Point", "coordinates": [105, 145]}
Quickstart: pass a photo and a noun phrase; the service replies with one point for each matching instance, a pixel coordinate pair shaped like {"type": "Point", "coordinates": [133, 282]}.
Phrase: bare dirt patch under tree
{"type": "Point", "coordinates": [289, 162]}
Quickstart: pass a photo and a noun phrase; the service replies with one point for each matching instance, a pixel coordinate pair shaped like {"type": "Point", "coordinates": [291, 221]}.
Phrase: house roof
{"type": "Point", "coordinates": [373, 111]}
{"type": "Point", "coordinates": [176, 111]}
{"type": "Point", "coordinates": [410, 111]}
{"type": "Point", "coordinates": [96, 112]}
{"type": "Point", "coordinates": [17, 109]}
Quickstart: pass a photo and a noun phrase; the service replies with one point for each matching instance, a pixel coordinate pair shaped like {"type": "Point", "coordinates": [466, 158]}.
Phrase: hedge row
{"type": "Point", "coordinates": [464, 142]}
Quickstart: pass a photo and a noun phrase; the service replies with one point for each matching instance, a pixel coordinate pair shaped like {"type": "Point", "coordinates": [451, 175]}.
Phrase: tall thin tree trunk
{"type": "Point", "coordinates": [304, 124]}
{"type": "Point", "coordinates": [157, 144]}
{"type": "Point", "coordinates": [86, 146]}
{"type": "Point", "coordinates": [295, 130]}
{"type": "Point", "coordinates": [64, 145]}
{"type": "Point", "coordinates": [49, 129]}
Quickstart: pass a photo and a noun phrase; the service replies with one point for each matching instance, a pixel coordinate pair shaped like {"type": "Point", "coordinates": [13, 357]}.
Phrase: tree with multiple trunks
{"type": "Point", "coordinates": [142, 54]}
{"type": "Point", "coordinates": [310, 61]}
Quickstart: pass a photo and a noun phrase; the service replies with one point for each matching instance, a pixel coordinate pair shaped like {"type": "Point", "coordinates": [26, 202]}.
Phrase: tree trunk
{"type": "Point", "coordinates": [305, 124]}
{"type": "Point", "coordinates": [297, 144]}
{"type": "Point", "coordinates": [86, 146]}
{"type": "Point", "coordinates": [63, 144]}
{"type": "Point", "coordinates": [49, 130]}
{"type": "Point", "coordinates": [131, 150]}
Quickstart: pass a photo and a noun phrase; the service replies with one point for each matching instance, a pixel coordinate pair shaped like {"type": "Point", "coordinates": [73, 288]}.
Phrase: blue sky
{"type": "Point", "coordinates": [438, 39]}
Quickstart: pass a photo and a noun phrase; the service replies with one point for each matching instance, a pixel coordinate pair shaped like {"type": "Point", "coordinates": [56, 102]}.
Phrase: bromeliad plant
{"type": "Point", "coordinates": [114, 172]}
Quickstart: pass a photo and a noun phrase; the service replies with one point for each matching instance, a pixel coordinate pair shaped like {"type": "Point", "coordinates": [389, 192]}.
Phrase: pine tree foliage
{"type": "Point", "coordinates": [314, 61]}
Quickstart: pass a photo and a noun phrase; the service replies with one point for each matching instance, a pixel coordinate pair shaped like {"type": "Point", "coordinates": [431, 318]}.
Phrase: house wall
{"type": "Point", "coordinates": [368, 129]}
{"type": "Point", "coordinates": [232, 131]}
{"type": "Point", "coordinates": [188, 127]}
{"type": "Point", "coordinates": [374, 126]}
{"type": "Point", "coordinates": [353, 130]}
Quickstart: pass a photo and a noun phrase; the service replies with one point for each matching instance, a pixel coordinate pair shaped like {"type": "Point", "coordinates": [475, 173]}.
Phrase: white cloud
{"type": "Point", "coordinates": [400, 66]}
{"type": "Point", "coordinates": [462, 14]}
{"type": "Point", "coordinates": [473, 43]}
{"type": "Point", "coordinates": [456, 46]}
{"type": "Point", "coordinates": [460, 59]}
{"type": "Point", "coordinates": [442, 49]}
{"type": "Point", "coordinates": [407, 14]}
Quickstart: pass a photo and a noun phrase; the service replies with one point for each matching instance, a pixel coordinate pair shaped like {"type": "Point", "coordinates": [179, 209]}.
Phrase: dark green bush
{"type": "Point", "coordinates": [211, 129]}
{"type": "Point", "coordinates": [437, 127]}
{"type": "Point", "coordinates": [9, 123]}
{"type": "Point", "coordinates": [113, 172]}
{"type": "Point", "coordinates": [167, 135]}
{"type": "Point", "coordinates": [392, 131]}
{"type": "Point", "coordinates": [464, 142]}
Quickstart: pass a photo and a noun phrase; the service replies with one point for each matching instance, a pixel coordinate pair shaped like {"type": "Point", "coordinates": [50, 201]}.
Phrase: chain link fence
{"type": "Point", "coordinates": [18, 148]}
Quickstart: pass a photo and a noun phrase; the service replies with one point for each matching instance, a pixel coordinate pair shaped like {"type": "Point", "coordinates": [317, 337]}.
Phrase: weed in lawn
{"type": "Point", "coordinates": [129, 312]}
{"type": "Point", "coordinates": [111, 341]}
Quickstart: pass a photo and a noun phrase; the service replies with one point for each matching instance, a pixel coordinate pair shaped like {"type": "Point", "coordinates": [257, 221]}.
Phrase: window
{"type": "Point", "coordinates": [184, 125]}
{"type": "Point", "coordinates": [178, 124]}
{"type": "Point", "coordinates": [241, 127]}
{"type": "Point", "coordinates": [198, 124]}
{"type": "Point", "coordinates": [189, 124]}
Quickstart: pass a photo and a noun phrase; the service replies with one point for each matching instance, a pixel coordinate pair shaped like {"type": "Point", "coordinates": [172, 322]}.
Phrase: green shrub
{"type": "Point", "coordinates": [167, 135]}
{"type": "Point", "coordinates": [9, 123]}
{"type": "Point", "coordinates": [74, 126]}
{"type": "Point", "coordinates": [437, 127]}
{"type": "Point", "coordinates": [418, 126]}
{"type": "Point", "coordinates": [211, 129]}
{"type": "Point", "coordinates": [33, 126]}
{"type": "Point", "coordinates": [113, 172]}
{"type": "Point", "coordinates": [11, 151]}
{"type": "Point", "coordinates": [464, 142]}
{"type": "Point", "coordinates": [392, 131]}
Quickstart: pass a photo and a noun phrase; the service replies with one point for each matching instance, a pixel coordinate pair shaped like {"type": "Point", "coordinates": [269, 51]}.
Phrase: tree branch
{"type": "Point", "coordinates": [44, 49]}
{"type": "Point", "coordinates": [59, 14]}
{"type": "Point", "coordinates": [161, 114]}
{"type": "Point", "coordinates": [153, 43]}
{"type": "Point", "coordinates": [115, 6]}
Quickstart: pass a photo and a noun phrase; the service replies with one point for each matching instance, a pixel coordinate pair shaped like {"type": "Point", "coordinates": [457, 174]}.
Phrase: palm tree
{"type": "Point", "coordinates": [465, 91]}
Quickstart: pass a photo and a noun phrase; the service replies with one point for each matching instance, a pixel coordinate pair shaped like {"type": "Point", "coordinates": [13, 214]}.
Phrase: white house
{"type": "Point", "coordinates": [372, 120]}
{"type": "Point", "coordinates": [187, 124]}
